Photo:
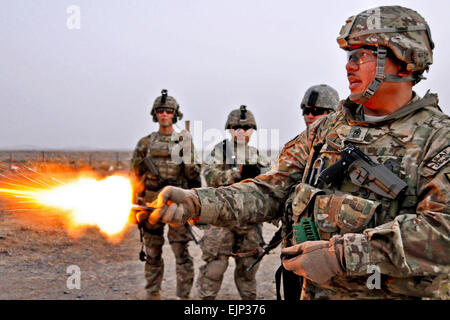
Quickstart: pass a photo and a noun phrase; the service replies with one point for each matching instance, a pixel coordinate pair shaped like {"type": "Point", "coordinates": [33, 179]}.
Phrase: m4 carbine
{"type": "Point", "coordinates": [272, 245]}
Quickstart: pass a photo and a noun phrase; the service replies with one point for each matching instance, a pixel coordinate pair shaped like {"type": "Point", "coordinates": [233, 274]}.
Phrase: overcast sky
{"type": "Point", "coordinates": [93, 87]}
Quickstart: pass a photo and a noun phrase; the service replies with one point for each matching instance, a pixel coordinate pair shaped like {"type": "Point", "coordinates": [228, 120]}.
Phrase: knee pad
{"type": "Point", "coordinates": [153, 253]}
{"type": "Point", "coordinates": [214, 270]}
{"type": "Point", "coordinates": [153, 261]}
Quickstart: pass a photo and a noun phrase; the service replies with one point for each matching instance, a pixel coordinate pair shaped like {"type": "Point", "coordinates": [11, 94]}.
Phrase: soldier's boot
{"type": "Point", "coordinates": [210, 278]}
{"type": "Point", "coordinates": [152, 296]}
{"type": "Point", "coordinates": [184, 269]}
{"type": "Point", "coordinates": [154, 270]}
{"type": "Point", "coordinates": [245, 280]}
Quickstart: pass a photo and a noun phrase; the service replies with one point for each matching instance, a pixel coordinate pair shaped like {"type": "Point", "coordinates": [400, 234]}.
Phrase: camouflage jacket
{"type": "Point", "coordinates": [166, 152]}
{"type": "Point", "coordinates": [407, 238]}
{"type": "Point", "coordinates": [221, 171]}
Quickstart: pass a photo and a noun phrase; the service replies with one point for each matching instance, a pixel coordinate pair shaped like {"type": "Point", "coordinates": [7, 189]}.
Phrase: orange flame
{"type": "Point", "coordinates": [105, 203]}
{"type": "Point", "coordinates": [83, 201]}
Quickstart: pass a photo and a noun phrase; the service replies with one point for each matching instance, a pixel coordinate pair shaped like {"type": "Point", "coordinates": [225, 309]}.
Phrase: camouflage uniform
{"type": "Point", "coordinates": [241, 241]}
{"type": "Point", "coordinates": [407, 238]}
{"type": "Point", "coordinates": [160, 148]}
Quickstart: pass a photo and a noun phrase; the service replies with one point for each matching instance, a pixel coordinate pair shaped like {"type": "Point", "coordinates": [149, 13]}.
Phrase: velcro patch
{"type": "Point", "coordinates": [440, 159]}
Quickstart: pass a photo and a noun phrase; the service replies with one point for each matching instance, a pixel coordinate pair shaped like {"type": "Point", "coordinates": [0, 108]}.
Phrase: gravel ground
{"type": "Point", "coordinates": [36, 250]}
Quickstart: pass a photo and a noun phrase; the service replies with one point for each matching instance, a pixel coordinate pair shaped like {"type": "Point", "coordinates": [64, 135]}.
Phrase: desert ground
{"type": "Point", "coordinates": [36, 251]}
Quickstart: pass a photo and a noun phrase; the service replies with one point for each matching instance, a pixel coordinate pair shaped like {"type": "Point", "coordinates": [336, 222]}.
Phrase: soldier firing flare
{"type": "Point", "coordinates": [82, 200]}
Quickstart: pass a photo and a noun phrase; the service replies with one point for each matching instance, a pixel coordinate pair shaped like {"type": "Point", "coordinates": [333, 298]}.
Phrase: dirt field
{"type": "Point", "coordinates": [35, 252]}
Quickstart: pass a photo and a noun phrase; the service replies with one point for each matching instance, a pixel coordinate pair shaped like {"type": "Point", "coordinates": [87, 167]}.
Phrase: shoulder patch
{"type": "Point", "coordinates": [439, 160]}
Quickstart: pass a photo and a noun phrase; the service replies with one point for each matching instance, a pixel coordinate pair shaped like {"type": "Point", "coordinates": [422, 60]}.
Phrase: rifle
{"type": "Point", "coordinates": [248, 171]}
{"type": "Point", "coordinates": [274, 242]}
{"type": "Point", "coordinates": [228, 153]}
{"type": "Point", "coordinates": [363, 172]}
{"type": "Point", "coordinates": [262, 243]}
{"type": "Point", "coordinates": [148, 161]}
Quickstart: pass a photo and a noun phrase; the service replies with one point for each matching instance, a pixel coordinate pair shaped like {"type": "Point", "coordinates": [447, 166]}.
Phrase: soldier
{"type": "Point", "coordinates": [158, 147]}
{"type": "Point", "coordinates": [230, 162]}
{"type": "Point", "coordinates": [317, 102]}
{"type": "Point", "coordinates": [393, 232]}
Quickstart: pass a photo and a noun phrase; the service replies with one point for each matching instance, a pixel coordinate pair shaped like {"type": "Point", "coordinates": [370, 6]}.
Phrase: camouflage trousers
{"type": "Point", "coordinates": [218, 244]}
{"type": "Point", "coordinates": [154, 266]}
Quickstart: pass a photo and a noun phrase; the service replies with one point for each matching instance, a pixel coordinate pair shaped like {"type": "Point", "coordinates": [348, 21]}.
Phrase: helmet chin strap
{"type": "Point", "coordinates": [380, 76]}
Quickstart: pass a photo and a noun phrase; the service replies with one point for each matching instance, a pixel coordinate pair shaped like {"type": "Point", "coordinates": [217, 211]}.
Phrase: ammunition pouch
{"type": "Point", "coordinates": [159, 151]}
{"type": "Point", "coordinates": [332, 213]}
{"type": "Point", "coordinates": [346, 213]}
{"type": "Point", "coordinates": [304, 195]}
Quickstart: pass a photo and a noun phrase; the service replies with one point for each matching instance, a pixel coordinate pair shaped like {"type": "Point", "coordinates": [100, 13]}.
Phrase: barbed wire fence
{"type": "Point", "coordinates": [104, 161]}
{"type": "Point", "coordinates": [97, 160]}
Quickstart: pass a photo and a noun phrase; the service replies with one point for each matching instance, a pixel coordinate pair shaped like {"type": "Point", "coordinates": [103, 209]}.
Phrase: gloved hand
{"type": "Point", "coordinates": [318, 261]}
{"type": "Point", "coordinates": [175, 206]}
{"type": "Point", "coordinates": [143, 215]}
{"type": "Point", "coordinates": [135, 215]}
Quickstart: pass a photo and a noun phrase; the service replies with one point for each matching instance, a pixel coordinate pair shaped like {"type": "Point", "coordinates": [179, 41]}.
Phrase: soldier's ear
{"type": "Point", "coordinates": [402, 67]}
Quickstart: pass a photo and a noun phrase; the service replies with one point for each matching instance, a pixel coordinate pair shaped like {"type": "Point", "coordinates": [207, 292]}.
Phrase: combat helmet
{"type": "Point", "coordinates": [165, 101]}
{"type": "Point", "coordinates": [321, 96]}
{"type": "Point", "coordinates": [242, 117]}
{"type": "Point", "coordinates": [401, 30]}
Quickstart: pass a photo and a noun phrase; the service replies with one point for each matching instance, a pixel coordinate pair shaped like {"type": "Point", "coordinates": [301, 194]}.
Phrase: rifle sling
{"type": "Point", "coordinates": [292, 284]}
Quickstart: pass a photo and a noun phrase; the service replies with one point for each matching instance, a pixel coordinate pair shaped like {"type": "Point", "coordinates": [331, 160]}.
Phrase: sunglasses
{"type": "Point", "coordinates": [313, 111]}
{"type": "Point", "coordinates": [361, 55]}
{"type": "Point", "coordinates": [245, 127]}
{"type": "Point", "coordinates": [166, 110]}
